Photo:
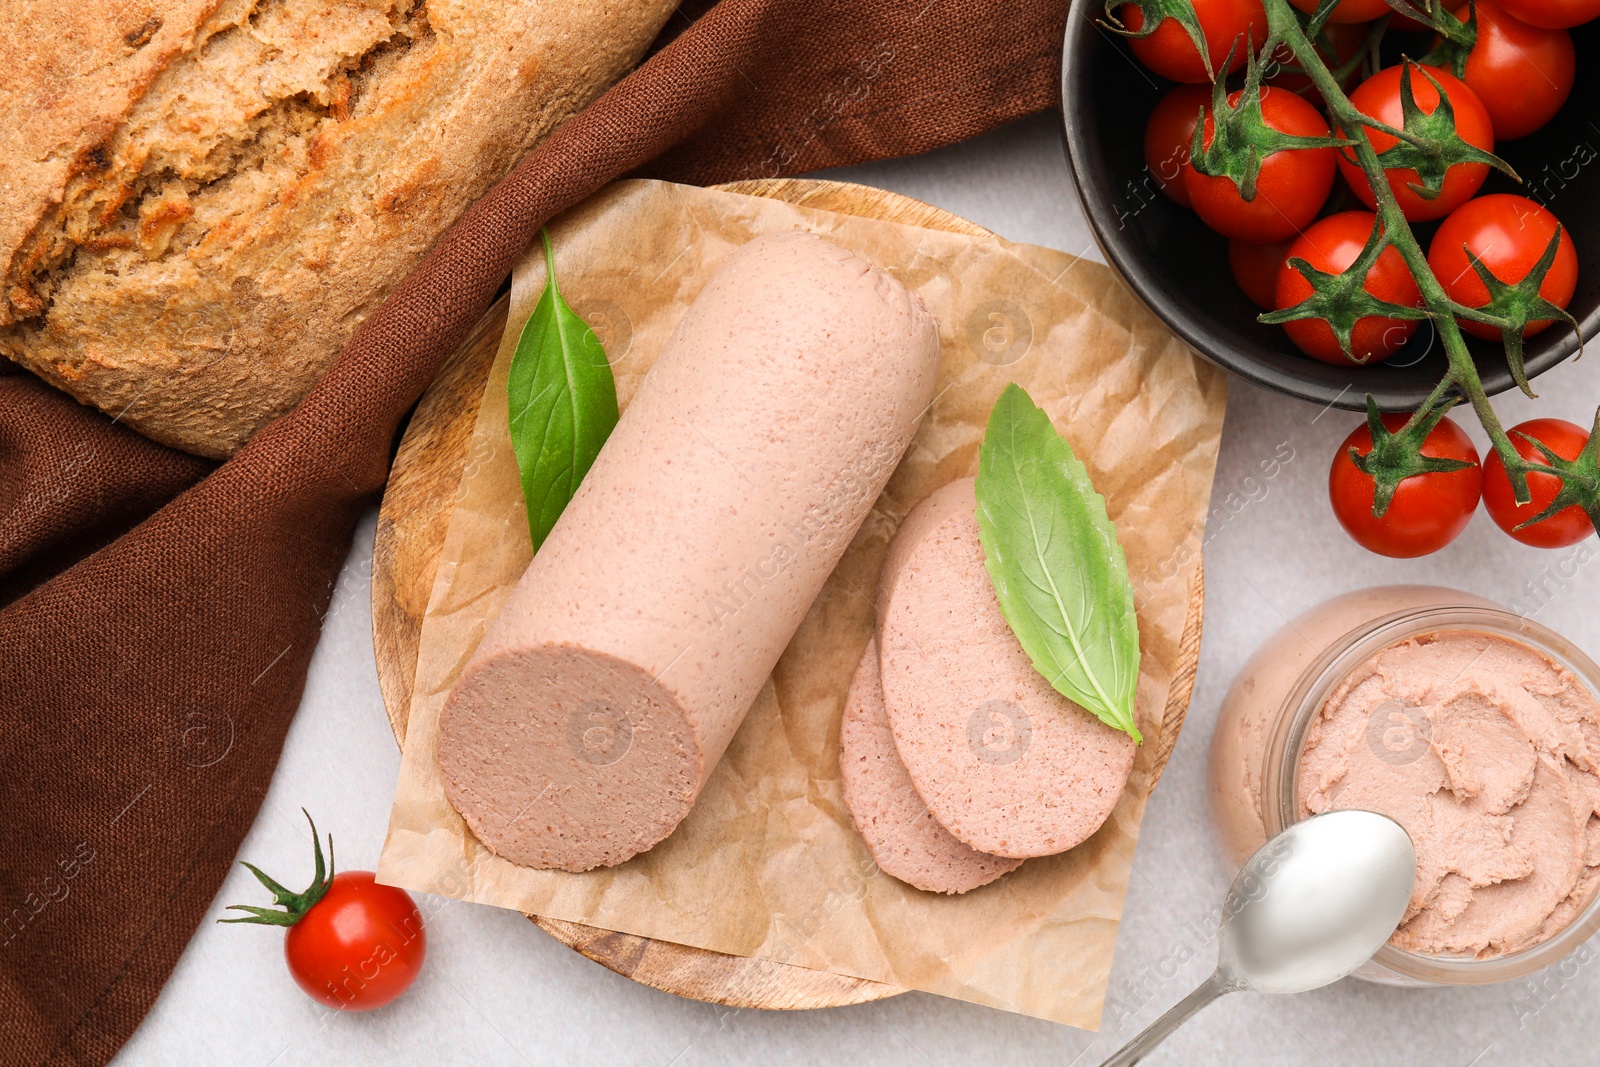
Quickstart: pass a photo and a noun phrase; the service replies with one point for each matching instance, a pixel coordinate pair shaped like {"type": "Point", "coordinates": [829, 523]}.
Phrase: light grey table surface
{"type": "Point", "coordinates": [497, 990]}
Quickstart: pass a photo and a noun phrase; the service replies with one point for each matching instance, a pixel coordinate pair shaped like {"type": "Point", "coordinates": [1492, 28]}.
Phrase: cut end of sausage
{"type": "Point", "coordinates": [903, 837]}
{"type": "Point", "coordinates": [548, 775]}
{"type": "Point", "coordinates": [1007, 764]}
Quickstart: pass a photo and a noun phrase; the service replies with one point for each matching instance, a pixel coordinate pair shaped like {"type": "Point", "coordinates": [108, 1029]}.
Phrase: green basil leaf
{"type": "Point", "coordinates": [1057, 568]}
{"type": "Point", "coordinates": [562, 400]}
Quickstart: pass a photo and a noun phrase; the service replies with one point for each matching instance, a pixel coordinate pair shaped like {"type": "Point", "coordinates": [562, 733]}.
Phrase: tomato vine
{"type": "Point", "coordinates": [1428, 144]}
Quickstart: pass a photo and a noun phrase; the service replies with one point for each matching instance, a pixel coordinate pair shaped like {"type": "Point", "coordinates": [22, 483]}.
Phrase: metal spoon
{"type": "Point", "coordinates": [1308, 908]}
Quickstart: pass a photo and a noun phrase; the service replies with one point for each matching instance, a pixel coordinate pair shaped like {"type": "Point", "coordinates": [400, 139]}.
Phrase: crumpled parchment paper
{"type": "Point", "coordinates": [768, 863]}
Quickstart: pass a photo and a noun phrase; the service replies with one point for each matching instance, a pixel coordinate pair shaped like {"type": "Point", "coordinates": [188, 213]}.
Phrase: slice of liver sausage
{"type": "Point", "coordinates": [594, 710]}
{"type": "Point", "coordinates": [1007, 764]}
{"type": "Point", "coordinates": [903, 838]}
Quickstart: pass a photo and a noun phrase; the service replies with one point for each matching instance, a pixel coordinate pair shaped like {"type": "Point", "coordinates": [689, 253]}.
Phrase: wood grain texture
{"type": "Point", "coordinates": [411, 531]}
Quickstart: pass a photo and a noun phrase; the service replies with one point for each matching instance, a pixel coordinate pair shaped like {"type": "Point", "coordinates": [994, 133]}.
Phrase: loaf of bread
{"type": "Point", "coordinates": [200, 200]}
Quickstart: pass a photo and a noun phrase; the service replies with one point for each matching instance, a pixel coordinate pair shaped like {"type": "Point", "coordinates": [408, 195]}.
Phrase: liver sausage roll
{"type": "Point", "coordinates": [586, 723]}
{"type": "Point", "coordinates": [905, 840]}
{"type": "Point", "coordinates": [1007, 764]}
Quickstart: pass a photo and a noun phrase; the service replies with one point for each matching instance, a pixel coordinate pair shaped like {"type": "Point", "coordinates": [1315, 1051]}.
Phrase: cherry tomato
{"type": "Point", "coordinates": [351, 943]}
{"type": "Point", "coordinates": [1347, 11]}
{"type": "Point", "coordinates": [1567, 526]}
{"type": "Point", "coordinates": [1427, 512]}
{"type": "Point", "coordinates": [1521, 73]}
{"type": "Point", "coordinates": [358, 947]}
{"type": "Point", "coordinates": [1168, 134]}
{"type": "Point", "coordinates": [1290, 189]}
{"type": "Point", "coordinates": [1508, 234]}
{"type": "Point", "coordinates": [1553, 14]}
{"type": "Point", "coordinates": [1331, 245]}
{"type": "Point", "coordinates": [1379, 97]}
{"type": "Point", "coordinates": [1171, 53]}
{"type": "Point", "coordinates": [1255, 268]}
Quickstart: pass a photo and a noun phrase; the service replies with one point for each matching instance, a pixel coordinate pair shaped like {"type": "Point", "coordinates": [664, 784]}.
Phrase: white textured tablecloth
{"type": "Point", "coordinates": [497, 990]}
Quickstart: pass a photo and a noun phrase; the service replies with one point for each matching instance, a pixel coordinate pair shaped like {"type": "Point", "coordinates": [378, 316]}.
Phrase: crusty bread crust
{"type": "Point", "coordinates": [205, 198]}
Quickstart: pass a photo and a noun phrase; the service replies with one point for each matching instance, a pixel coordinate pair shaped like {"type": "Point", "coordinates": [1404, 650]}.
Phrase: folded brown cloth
{"type": "Point", "coordinates": [158, 614]}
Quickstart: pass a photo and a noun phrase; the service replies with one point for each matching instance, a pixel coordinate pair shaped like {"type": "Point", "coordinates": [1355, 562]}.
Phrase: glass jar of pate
{"type": "Point", "coordinates": [1472, 727]}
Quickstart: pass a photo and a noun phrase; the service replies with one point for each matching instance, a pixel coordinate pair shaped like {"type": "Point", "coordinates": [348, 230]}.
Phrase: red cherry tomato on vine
{"type": "Point", "coordinates": [1521, 73]}
{"type": "Point", "coordinates": [1331, 245]}
{"type": "Point", "coordinates": [1428, 511]}
{"type": "Point", "coordinates": [351, 943]}
{"type": "Point", "coordinates": [1171, 53]}
{"type": "Point", "coordinates": [1290, 189]}
{"type": "Point", "coordinates": [1347, 11]}
{"type": "Point", "coordinates": [1553, 14]}
{"type": "Point", "coordinates": [1255, 268]}
{"type": "Point", "coordinates": [1379, 97]}
{"type": "Point", "coordinates": [1508, 234]}
{"type": "Point", "coordinates": [1567, 526]}
{"type": "Point", "coordinates": [1168, 135]}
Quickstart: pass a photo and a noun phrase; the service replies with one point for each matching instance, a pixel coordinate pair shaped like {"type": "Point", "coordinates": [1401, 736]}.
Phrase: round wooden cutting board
{"type": "Point", "coordinates": [411, 532]}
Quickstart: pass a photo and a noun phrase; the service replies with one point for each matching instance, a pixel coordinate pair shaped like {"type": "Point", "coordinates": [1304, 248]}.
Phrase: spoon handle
{"type": "Point", "coordinates": [1176, 1016]}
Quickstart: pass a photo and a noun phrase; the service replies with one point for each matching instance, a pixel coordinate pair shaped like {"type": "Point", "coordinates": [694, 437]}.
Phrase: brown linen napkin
{"type": "Point", "coordinates": [153, 646]}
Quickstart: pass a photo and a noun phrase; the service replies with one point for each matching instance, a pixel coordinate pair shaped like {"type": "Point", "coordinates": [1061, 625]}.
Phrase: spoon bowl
{"type": "Point", "coordinates": [1316, 902]}
{"type": "Point", "coordinates": [1311, 906]}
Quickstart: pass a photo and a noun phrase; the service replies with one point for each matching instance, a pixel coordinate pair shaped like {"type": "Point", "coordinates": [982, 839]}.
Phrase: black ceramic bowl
{"type": "Point", "coordinates": [1180, 268]}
